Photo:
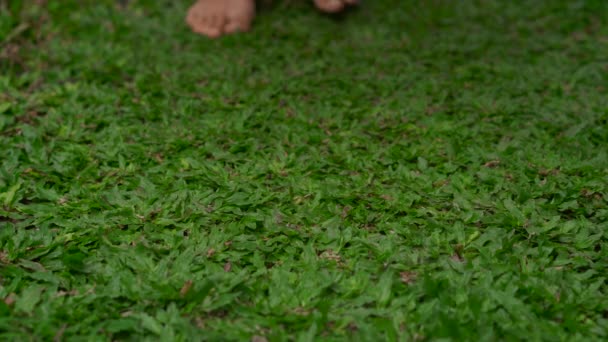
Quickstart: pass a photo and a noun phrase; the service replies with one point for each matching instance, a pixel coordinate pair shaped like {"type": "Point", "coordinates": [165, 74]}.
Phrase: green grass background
{"type": "Point", "coordinates": [413, 170]}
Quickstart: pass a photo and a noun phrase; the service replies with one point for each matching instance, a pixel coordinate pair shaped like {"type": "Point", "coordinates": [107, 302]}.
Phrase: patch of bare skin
{"type": "Point", "coordinates": [334, 6]}
{"type": "Point", "coordinates": [215, 18]}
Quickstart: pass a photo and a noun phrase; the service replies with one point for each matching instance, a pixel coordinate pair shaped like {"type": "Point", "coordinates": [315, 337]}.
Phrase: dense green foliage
{"type": "Point", "coordinates": [413, 170]}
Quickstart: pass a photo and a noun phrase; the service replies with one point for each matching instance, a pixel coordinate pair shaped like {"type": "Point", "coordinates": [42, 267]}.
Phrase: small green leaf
{"type": "Point", "coordinates": [384, 288]}
{"type": "Point", "coordinates": [4, 107]}
{"type": "Point", "coordinates": [151, 324]}
{"type": "Point", "coordinates": [28, 299]}
{"type": "Point", "coordinates": [8, 196]}
{"type": "Point", "coordinates": [122, 324]}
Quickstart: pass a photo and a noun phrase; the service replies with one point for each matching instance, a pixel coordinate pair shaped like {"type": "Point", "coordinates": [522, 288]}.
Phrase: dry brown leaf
{"type": "Point", "coordinates": [10, 299]}
{"type": "Point", "coordinates": [408, 277]}
{"type": "Point", "coordinates": [186, 288]}
{"type": "Point", "coordinates": [492, 163]}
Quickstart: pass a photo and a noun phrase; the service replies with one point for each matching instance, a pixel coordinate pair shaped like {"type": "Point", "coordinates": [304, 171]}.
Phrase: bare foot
{"type": "Point", "coordinates": [334, 6]}
{"type": "Point", "coordinates": [214, 18]}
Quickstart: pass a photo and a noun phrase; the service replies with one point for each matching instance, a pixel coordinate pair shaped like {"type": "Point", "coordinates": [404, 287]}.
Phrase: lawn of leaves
{"type": "Point", "coordinates": [412, 170]}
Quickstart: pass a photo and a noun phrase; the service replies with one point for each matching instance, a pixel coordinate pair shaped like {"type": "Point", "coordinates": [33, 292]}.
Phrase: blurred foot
{"type": "Point", "coordinates": [215, 18]}
{"type": "Point", "coordinates": [334, 6]}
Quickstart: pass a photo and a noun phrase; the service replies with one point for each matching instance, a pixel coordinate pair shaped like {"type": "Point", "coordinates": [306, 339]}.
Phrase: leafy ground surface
{"type": "Point", "coordinates": [413, 170]}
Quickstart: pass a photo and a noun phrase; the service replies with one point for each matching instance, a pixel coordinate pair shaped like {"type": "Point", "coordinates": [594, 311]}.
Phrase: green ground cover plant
{"type": "Point", "coordinates": [412, 170]}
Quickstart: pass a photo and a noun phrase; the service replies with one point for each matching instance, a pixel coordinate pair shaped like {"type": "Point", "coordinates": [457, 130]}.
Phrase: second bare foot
{"type": "Point", "coordinates": [334, 6]}
{"type": "Point", "coordinates": [214, 18]}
